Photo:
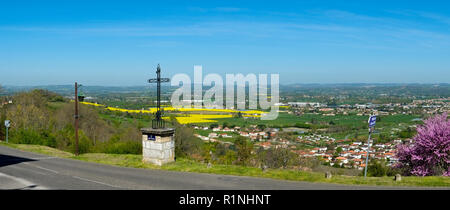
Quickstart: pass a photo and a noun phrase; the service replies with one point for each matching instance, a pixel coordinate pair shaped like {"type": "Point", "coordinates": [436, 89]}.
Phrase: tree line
{"type": "Point", "coordinates": [45, 118]}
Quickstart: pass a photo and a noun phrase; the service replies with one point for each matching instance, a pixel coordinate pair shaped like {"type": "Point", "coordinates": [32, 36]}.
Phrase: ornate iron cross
{"type": "Point", "coordinates": [158, 122]}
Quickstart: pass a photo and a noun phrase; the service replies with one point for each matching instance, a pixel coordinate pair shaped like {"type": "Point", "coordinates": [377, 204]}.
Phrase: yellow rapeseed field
{"type": "Point", "coordinates": [191, 118]}
{"type": "Point", "coordinates": [92, 104]}
{"type": "Point", "coordinates": [200, 118]}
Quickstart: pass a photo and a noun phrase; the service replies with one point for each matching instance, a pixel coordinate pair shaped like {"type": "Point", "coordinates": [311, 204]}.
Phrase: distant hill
{"type": "Point", "coordinates": [314, 89]}
{"type": "Point", "coordinates": [364, 89]}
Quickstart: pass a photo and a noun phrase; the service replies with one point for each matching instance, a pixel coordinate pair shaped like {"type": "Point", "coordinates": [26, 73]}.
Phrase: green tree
{"type": "Point", "coordinates": [377, 168]}
{"type": "Point", "coordinates": [407, 133]}
{"type": "Point", "coordinates": [84, 144]}
{"type": "Point", "coordinates": [230, 157]}
{"type": "Point", "coordinates": [243, 150]}
{"type": "Point", "coordinates": [332, 102]}
{"type": "Point", "coordinates": [261, 126]}
{"type": "Point", "coordinates": [213, 125]}
{"type": "Point", "coordinates": [186, 144]}
{"type": "Point", "coordinates": [337, 164]}
{"type": "Point", "coordinates": [220, 150]}
{"type": "Point", "coordinates": [225, 124]}
{"type": "Point", "coordinates": [278, 158]}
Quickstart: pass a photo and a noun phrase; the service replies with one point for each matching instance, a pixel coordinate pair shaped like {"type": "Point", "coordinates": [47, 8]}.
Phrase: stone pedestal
{"type": "Point", "coordinates": [397, 178]}
{"type": "Point", "coordinates": [158, 145]}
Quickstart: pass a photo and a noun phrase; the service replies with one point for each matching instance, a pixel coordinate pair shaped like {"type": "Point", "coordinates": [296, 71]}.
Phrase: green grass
{"type": "Point", "coordinates": [352, 121]}
{"type": "Point", "coordinates": [39, 149]}
{"type": "Point", "coordinates": [186, 165]}
{"type": "Point", "coordinates": [283, 119]}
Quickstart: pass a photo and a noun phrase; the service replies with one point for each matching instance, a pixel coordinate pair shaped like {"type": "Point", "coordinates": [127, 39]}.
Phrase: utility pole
{"type": "Point", "coordinates": [367, 155]}
{"type": "Point", "coordinates": [372, 121]}
{"type": "Point", "coordinates": [76, 119]}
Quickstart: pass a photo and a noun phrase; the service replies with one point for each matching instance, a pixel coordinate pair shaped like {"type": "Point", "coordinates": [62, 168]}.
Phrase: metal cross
{"type": "Point", "coordinates": [158, 122]}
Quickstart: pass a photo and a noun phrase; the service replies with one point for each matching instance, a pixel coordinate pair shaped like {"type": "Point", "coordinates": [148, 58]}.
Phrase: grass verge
{"type": "Point", "coordinates": [185, 165]}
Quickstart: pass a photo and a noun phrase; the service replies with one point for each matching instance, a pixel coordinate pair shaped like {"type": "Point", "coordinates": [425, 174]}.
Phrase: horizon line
{"type": "Point", "coordinates": [313, 83]}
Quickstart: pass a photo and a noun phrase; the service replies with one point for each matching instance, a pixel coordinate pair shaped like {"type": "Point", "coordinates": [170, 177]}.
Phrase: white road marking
{"type": "Point", "coordinates": [43, 158]}
{"type": "Point", "coordinates": [88, 180]}
{"type": "Point", "coordinates": [19, 183]}
{"type": "Point", "coordinates": [46, 169]}
{"type": "Point", "coordinates": [26, 183]}
{"type": "Point", "coordinates": [19, 167]}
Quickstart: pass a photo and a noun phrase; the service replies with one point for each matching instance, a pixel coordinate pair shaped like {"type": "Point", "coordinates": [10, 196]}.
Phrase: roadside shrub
{"type": "Point", "coordinates": [125, 147]}
{"type": "Point", "coordinates": [376, 169]}
{"type": "Point", "coordinates": [22, 136]}
{"type": "Point", "coordinates": [84, 144]}
{"type": "Point", "coordinates": [243, 150]}
{"type": "Point", "coordinates": [278, 158]}
{"type": "Point", "coordinates": [186, 144]}
{"type": "Point", "coordinates": [392, 171]}
{"type": "Point", "coordinates": [230, 157]}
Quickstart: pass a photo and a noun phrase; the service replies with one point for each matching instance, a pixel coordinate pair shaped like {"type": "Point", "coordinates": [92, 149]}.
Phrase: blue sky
{"type": "Point", "coordinates": [121, 42]}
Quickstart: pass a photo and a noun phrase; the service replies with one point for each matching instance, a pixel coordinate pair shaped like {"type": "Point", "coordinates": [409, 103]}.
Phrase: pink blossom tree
{"type": "Point", "coordinates": [429, 153]}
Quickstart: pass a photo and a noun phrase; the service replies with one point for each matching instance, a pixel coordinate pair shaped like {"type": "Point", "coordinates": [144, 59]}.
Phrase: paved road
{"type": "Point", "coordinates": [25, 170]}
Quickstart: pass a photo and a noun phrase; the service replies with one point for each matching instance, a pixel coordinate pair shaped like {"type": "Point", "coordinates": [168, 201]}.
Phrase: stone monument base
{"type": "Point", "coordinates": [158, 145]}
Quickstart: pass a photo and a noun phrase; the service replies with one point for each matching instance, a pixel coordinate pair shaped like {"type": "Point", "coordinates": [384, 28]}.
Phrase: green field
{"type": "Point", "coordinates": [287, 120]}
{"type": "Point", "coordinates": [350, 124]}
